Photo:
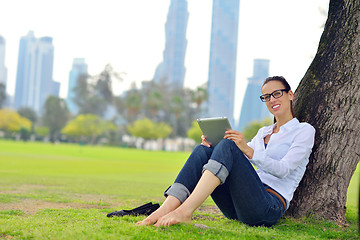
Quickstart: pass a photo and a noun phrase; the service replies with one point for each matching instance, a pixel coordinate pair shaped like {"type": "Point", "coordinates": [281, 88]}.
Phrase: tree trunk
{"type": "Point", "coordinates": [328, 98]}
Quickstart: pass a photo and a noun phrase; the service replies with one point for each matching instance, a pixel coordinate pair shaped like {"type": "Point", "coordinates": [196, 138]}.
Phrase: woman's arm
{"type": "Point", "coordinates": [299, 150]}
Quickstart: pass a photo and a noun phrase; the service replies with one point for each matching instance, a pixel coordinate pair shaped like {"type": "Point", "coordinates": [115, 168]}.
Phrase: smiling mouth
{"type": "Point", "coordinates": [276, 106]}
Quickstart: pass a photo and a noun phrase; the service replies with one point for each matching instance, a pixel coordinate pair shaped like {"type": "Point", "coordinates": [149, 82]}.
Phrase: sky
{"type": "Point", "coordinates": [130, 35]}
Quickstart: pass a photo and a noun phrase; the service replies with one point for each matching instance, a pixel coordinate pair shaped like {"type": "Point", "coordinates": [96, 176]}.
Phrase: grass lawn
{"type": "Point", "coordinates": [65, 191]}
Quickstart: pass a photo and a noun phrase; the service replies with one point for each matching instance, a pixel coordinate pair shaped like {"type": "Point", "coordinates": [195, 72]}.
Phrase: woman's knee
{"type": "Point", "coordinates": [201, 149]}
{"type": "Point", "coordinates": [202, 152]}
{"type": "Point", "coordinates": [228, 151]}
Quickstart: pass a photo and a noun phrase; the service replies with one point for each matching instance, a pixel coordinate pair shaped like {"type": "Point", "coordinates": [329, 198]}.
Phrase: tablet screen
{"type": "Point", "coordinates": [214, 128]}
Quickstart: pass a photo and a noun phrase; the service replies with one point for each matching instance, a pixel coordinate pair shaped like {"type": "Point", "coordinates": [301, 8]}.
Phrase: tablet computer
{"type": "Point", "coordinates": [214, 128]}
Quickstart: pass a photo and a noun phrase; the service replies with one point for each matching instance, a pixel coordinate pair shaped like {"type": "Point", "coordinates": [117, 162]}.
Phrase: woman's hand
{"type": "Point", "coordinates": [204, 142]}
{"type": "Point", "coordinates": [237, 137]}
{"type": "Point", "coordinates": [240, 141]}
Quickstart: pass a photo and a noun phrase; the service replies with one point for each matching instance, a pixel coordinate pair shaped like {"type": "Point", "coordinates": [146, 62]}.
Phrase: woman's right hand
{"type": "Point", "coordinates": [204, 142]}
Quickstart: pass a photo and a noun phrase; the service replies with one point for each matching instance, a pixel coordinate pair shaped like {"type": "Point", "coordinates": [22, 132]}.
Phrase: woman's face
{"type": "Point", "coordinates": [278, 106]}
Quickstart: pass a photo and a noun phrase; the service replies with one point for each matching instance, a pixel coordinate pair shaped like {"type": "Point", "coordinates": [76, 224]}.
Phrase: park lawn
{"type": "Point", "coordinates": [64, 191]}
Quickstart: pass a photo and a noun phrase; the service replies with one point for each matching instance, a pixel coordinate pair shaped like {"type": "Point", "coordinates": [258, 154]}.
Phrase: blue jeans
{"type": "Point", "coordinates": [241, 195]}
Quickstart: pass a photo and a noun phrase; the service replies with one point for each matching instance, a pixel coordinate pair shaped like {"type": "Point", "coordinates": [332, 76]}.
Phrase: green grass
{"type": "Point", "coordinates": [65, 191]}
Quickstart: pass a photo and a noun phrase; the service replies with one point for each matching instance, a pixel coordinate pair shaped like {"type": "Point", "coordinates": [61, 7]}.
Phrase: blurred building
{"type": "Point", "coordinates": [171, 70]}
{"type": "Point", "coordinates": [222, 66]}
{"type": "Point", "coordinates": [79, 68]}
{"type": "Point", "coordinates": [34, 83]}
{"type": "Point", "coordinates": [253, 109]}
{"type": "Point", "coordinates": [3, 69]}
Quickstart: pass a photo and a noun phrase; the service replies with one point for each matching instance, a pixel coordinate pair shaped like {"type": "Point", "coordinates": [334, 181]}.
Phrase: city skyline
{"type": "Point", "coordinates": [34, 77]}
{"type": "Point", "coordinates": [3, 69]}
{"type": "Point", "coordinates": [223, 56]}
{"type": "Point", "coordinates": [253, 109]}
{"type": "Point", "coordinates": [276, 31]}
{"type": "Point", "coordinates": [172, 69]}
{"type": "Point", "coordinates": [79, 68]}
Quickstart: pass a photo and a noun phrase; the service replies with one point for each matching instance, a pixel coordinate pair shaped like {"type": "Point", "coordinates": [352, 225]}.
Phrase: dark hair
{"type": "Point", "coordinates": [287, 87]}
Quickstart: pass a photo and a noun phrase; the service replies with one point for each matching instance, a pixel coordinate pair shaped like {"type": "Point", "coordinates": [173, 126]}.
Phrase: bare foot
{"type": "Point", "coordinates": [171, 203]}
{"type": "Point", "coordinates": [172, 218]}
{"type": "Point", "coordinates": [152, 218]}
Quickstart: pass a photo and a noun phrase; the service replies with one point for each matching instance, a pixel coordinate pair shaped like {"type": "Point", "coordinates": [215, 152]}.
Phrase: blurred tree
{"type": "Point", "coordinates": [162, 130]}
{"type": "Point", "coordinates": [154, 102]}
{"type": "Point", "coordinates": [41, 132]}
{"type": "Point", "coordinates": [195, 132]}
{"type": "Point", "coordinates": [24, 134]}
{"type": "Point", "coordinates": [189, 113]}
{"type": "Point", "coordinates": [177, 106]}
{"type": "Point", "coordinates": [105, 80]}
{"type": "Point", "coordinates": [86, 99]}
{"type": "Point", "coordinates": [2, 95]}
{"type": "Point", "coordinates": [143, 128]}
{"type": "Point", "coordinates": [81, 92]}
{"type": "Point", "coordinates": [11, 121]}
{"type": "Point", "coordinates": [93, 94]}
{"type": "Point", "coordinates": [30, 114]}
{"type": "Point", "coordinates": [104, 84]}
{"type": "Point", "coordinates": [89, 126]}
{"type": "Point", "coordinates": [55, 115]}
{"type": "Point", "coordinates": [251, 129]}
{"type": "Point", "coordinates": [160, 103]}
{"type": "Point", "coordinates": [119, 103]}
{"type": "Point", "coordinates": [199, 96]}
{"type": "Point", "coordinates": [133, 104]}
{"type": "Point", "coordinates": [147, 129]}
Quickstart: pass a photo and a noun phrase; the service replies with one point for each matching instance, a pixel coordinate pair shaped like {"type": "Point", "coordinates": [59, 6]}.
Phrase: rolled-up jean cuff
{"type": "Point", "coordinates": [217, 169]}
{"type": "Point", "coordinates": [179, 191]}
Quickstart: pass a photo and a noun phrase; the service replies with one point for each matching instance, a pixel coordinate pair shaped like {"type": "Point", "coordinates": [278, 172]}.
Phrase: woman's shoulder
{"type": "Point", "coordinates": [304, 126]}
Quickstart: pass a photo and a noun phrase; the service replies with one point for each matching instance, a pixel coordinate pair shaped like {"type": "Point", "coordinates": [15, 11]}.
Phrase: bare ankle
{"type": "Point", "coordinates": [171, 203]}
{"type": "Point", "coordinates": [185, 212]}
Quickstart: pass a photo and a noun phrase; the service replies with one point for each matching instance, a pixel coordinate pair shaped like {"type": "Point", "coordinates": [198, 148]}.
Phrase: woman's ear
{"type": "Point", "coordinates": [291, 95]}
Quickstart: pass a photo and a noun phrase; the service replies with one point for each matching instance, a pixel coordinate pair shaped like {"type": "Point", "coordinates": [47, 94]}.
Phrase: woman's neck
{"type": "Point", "coordinates": [281, 121]}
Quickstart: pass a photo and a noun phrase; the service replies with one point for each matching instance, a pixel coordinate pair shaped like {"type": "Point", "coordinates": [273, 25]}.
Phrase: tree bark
{"type": "Point", "coordinates": [328, 98]}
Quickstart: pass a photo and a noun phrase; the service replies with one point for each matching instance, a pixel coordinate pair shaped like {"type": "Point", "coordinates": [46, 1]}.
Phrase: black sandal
{"type": "Point", "coordinates": [145, 209]}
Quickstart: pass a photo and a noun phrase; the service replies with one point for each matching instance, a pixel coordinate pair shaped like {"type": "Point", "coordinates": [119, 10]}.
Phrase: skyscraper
{"type": "Point", "coordinates": [3, 69]}
{"type": "Point", "coordinates": [222, 66]}
{"type": "Point", "coordinates": [252, 108]}
{"type": "Point", "coordinates": [172, 69]}
{"type": "Point", "coordinates": [79, 68]}
{"type": "Point", "coordinates": [34, 73]}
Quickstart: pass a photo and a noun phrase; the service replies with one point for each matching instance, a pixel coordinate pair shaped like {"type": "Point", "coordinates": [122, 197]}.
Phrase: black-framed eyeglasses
{"type": "Point", "coordinates": [276, 94]}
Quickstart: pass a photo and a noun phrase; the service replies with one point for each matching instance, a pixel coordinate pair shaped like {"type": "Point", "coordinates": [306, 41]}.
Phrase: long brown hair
{"type": "Point", "coordinates": [287, 89]}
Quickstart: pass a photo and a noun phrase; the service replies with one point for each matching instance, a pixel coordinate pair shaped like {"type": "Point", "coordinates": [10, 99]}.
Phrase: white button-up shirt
{"type": "Point", "coordinates": [282, 164]}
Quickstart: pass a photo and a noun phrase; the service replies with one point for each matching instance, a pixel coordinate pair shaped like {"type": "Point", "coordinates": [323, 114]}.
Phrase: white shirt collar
{"type": "Point", "coordinates": [287, 126]}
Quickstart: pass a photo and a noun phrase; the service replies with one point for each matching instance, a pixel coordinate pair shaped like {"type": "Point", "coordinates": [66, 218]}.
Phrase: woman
{"type": "Point", "coordinates": [280, 152]}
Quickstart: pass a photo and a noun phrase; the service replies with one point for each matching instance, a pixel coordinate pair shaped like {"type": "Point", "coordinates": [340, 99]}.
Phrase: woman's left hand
{"type": "Point", "coordinates": [237, 137]}
{"type": "Point", "coordinates": [240, 141]}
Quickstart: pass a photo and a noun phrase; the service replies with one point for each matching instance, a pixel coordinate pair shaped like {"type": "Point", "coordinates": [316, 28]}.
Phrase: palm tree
{"type": "Point", "coordinates": [199, 96]}
{"type": "Point", "coordinates": [177, 107]}
{"type": "Point", "coordinates": [154, 102]}
{"type": "Point", "coordinates": [133, 103]}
